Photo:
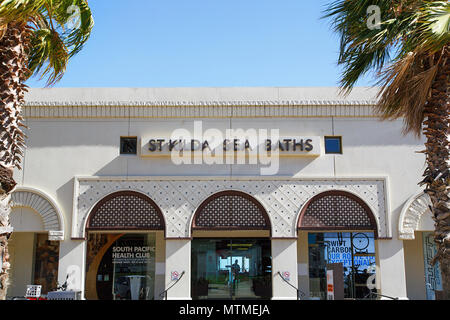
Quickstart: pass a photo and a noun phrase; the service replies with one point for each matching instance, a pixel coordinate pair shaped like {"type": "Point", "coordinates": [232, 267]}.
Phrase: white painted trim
{"type": "Point", "coordinates": [411, 214]}
{"type": "Point", "coordinates": [387, 202]}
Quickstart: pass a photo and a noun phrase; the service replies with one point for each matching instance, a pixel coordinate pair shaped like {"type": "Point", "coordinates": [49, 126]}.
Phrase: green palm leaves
{"type": "Point", "coordinates": [58, 30]}
{"type": "Point", "coordinates": [404, 26]}
{"type": "Point", "coordinates": [407, 34]}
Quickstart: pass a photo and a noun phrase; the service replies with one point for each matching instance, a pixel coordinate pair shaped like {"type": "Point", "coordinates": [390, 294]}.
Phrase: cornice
{"type": "Point", "coordinates": [258, 103]}
{"type": "Point", "coordinates": [205, 109]}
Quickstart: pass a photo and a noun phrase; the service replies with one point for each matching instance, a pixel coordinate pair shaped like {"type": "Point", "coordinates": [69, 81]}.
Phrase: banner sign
{"type": "Point", "coordinates": [330, 285]}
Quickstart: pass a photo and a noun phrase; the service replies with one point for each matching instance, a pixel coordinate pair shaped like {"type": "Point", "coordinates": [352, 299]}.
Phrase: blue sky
{"type": "Point", "coordinates": [206, 43]}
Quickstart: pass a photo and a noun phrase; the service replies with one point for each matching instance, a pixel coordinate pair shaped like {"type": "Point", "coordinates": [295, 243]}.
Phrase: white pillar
{"type": "Point", "coordinates": [178, 259]}
{"type": "Point", "coordinates": [391, 272]}
{"type": "Point", "coordinates": [160, 265]}
{"type": "Point", "coordinates": [284, 260]}
{"type": "Point", "coordinates": [72, 262]}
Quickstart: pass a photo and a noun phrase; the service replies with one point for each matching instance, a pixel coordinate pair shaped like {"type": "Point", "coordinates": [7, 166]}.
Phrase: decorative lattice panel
{"type": "Point", "coordinates": [231, 211]}
{"type": "Point", "coordinates": [336, 211]}
{"type": "Point", "coordinates": [126, 211]}
{"type": "Point", "coordinates": [180, 198]}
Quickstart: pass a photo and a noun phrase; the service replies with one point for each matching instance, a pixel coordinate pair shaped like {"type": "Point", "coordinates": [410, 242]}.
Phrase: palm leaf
{"type": "Point", "coordinates": [56, 39]}
{"type": "Point", "coordinates": [49, 55]}
{"type": "Point", "coordinates": [19, 10]}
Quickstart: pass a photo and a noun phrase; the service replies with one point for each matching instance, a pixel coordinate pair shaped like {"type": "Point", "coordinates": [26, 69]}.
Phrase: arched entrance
{"type": "Point", "coordinates": [231, 249]}
{"type": "Point", "coordinates": [34, 245]}
{"type": "Point", "coordinates": [121, 247]}
{"type": "Point", "coordinates": [341, 232]}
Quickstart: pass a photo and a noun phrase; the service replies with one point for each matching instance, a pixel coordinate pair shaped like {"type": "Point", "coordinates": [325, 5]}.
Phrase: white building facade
{"type": "Point", "coordinates": [219, 193]}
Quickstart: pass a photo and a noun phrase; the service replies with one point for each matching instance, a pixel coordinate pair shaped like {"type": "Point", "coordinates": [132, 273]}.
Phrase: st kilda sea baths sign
{"type": "Point", "coordinates": [232, 146]}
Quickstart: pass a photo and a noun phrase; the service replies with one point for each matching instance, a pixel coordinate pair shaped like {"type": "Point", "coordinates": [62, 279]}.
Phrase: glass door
{"type": "Point", "coordinates": [231, 269]}
{"type": "Point", "coordinates": [120, 266]}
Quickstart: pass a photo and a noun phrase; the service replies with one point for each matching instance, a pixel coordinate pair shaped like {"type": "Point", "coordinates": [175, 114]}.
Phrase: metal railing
{"type": "Point", "coordinates": [300, 294]}
{"type": "Point", "coordinates": [164, 293]}
{"type": "Point", "coordinates": [371, 293]}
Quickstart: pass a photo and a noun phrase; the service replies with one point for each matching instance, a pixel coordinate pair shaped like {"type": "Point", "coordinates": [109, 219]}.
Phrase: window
{"type": "Point", "coordinates": [354, 252]}
{"type": "Point", "coordinates": [128, 145]}
{"type": "Point", "coordinates": [120, 266]}
{"type": "Point", "coordinates": [333, 145]}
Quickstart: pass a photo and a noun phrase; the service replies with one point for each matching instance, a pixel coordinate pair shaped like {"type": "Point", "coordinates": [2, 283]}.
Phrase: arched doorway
{"type": "Point", "coordinates": [121, 247]}
{"type": "Point", "coordinates": [34, 245]}
{"type": "Point", "coordinates": [341, 231]}
{"type": "Point", "coordinates": [231, 249]}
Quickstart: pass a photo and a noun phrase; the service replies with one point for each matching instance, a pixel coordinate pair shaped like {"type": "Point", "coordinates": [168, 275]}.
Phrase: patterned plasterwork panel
{"type": "Point", "coordinates": [179, 198]}
{"type": "Point", "coordinates": [411, 214]}
{"type": "Point", "coordinates": [335, 211]}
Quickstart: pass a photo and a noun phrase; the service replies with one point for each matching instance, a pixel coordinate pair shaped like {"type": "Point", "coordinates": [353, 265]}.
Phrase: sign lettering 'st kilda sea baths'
{"type": "Point", "coordinates": [299, 146]}
{"type": "Point", "coordinates": [230, 145]}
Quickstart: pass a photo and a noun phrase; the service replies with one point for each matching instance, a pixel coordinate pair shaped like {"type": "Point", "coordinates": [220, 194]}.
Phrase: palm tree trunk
{"type": "Point", "coordinates": [13, 71]}
{"type": "Point", "coordinates": [7, 184]}
{"type": "Point", "coordinates": [437, 178]}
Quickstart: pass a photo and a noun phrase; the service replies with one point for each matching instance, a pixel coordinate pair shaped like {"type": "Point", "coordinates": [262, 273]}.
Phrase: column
{"type": "Point", "coordinates": [391, 277]}
{"type": "Point", "coordinates": [303, 264]}
{"type": "Point", "coordinates": [178, 260]}
{"type": "Point", "coordinates": [284, 260]}
{"type": "Point", "coordinates": [160, 265]}
{"type": "Point", "coordinates": [72, 262]}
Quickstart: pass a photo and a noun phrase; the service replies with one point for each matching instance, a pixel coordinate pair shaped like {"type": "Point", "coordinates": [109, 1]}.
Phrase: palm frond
{"type": "Point", "coordinates": [363, 48]}
{"type": "Point", "coordinates": [19, 10]}
{"type": "Point", "coordinates": [76, 22]}
{"type": "Point", "coordinates": [405, 89]}
{"type": "Point", "coordinates": [432, 31]}
{"type": "Point", "coordinates": [57, 37]}
{"type": "Point", "coordinates": [49, 55]}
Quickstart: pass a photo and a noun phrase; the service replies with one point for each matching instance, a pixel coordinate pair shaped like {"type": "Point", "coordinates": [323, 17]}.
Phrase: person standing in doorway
{"type": "Point", "coordinates": [235, 269]}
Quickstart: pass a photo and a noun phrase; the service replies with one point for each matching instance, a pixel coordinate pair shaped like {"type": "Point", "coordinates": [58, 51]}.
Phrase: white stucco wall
{"type": "Point", "coordinates": [59, 149]}
{"type": "Point", "coordinates": [21, 250]}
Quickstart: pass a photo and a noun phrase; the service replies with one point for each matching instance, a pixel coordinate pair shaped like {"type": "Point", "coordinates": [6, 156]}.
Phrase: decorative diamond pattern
{"type": "Point", "coordinates": [233, 211]}
{"type": "Point", "coordinates": [178, 199]}
{"type": "Point", "coordinates": [125, 212]}
{"type": "Point", "coordinates": [336, 211]}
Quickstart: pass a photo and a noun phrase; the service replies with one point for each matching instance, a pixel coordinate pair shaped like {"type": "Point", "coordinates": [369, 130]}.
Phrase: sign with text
{"type": "Point", "coordinates": [305, 146]}
{"type": "Point", "coordinates": [132, 254]}
{"type": "Point", "coordinates": [330, 285]}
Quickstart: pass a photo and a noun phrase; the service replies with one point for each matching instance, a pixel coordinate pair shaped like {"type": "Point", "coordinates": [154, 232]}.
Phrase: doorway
{"type": "Point", "coordinates": [233, 268]}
